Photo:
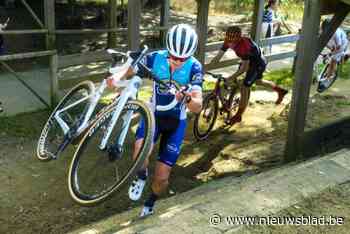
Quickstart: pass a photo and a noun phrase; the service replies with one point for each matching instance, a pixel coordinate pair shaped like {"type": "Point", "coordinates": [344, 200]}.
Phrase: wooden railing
{"type": "Point", "coordinates": [292, 38]}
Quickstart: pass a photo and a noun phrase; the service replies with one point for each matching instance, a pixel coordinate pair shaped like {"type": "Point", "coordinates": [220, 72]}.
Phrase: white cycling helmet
{"type": "Point", "coordinates": [181, 41]}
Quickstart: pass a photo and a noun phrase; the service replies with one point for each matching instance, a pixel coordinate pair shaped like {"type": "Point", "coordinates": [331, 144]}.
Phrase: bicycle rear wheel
{"type": "Point", "coordinates": [52, 135]}
{"type": "Point", "coordinates": [205, 120]}
{"type": "Point", "coordinates": [95, 174]}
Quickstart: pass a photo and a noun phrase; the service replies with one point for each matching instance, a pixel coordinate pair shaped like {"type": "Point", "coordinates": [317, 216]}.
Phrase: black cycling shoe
{"type": "Point", "coordinates": [114, 153]}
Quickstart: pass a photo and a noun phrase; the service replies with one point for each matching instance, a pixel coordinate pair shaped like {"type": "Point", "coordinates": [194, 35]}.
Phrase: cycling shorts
{"type": "Point", "coordinates": [170, 142]}
{"type": "Point", "coordinates": [254, 73]}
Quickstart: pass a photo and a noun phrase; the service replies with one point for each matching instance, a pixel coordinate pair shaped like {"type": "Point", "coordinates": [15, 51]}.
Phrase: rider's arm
{"type": "Point", "coordinates": [217, 58]}
{"type": "Point", "coordinates": [139, 70]}
{"type": "Point", "coordinates": [195, 105]}
{"type": "Point", "coordinates": [221, 52]}
{"type": "Point", "coordinates": [197, 76]}
{"type": "Point", "coordinates": [242, 69]}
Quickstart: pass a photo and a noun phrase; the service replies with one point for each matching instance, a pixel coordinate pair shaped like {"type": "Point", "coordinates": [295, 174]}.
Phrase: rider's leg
{"type": "Point", "coordinates": [271, 85]}
{"type": "Point", "coordinates": [170, 146]}
{"type": "Point", "coordinates": [331, 69]}
{"type": "Point", "coordinates": [137, 186]}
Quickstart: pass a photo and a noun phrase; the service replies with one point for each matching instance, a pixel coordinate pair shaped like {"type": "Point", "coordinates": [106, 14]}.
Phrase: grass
{"type": "Point", "coordinates": [283, 77]}
{"type": "Point", "coordinates": [290, 10]}
{"type": "Point", "coordinates": [23, 125]}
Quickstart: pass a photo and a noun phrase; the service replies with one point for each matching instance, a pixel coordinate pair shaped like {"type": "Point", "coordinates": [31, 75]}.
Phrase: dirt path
{"type": "Point", "coordinates": [34, 196]}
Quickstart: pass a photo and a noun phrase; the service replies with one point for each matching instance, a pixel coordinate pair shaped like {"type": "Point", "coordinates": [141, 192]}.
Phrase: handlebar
{"type": "Point", "coordinates": [172, 87]}
{"type": "Point", "coordinates": [216, 76]}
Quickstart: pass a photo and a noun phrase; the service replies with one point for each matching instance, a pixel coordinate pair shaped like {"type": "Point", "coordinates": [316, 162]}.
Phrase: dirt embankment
{"type": "Point", "coordinates": [34, 195]}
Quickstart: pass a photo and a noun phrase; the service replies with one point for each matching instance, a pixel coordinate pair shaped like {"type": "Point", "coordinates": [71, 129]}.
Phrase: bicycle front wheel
{"type": "Point", "coordinates": [95, 173]}
{"type": "Point", "coordinates": [205, 120]}
{"type": "Point", "coordinates": [52, 135]}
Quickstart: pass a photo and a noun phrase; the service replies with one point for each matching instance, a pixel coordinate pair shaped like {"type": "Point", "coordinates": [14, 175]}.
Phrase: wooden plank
{"type": "Point", "coordinates": [279, 40]}
{"type": "Point", "coordinates": [221, 64]}
{"type": "Point", "coordinates": [27, 31]}
{"type": "Point", "coordinates": [83, 58]}
{"type": "Point", "coordinates": [327, 137]}
{"type": "Point", "coordinates": [257, 20]}
{"type": "Point", "coordinates": [226, 26]}
{"type": "Point", "coordinates": [94, 77]}
{"type": "Point", "coordinates": [202, 28]}
{"type": "Point", "coordinates": [302, 83]}
{"type": "Point", "coordinates": [235, 61]}
{"type": "Point", "coordinates": [336, 21]}
{"type": "Point", "coordinates": [281, 56]}
{"type": "Point", "coordinates": [27, 55]}
{"type": "Point", "coordinates": [54, 88]}
{"type": "Point", "coordinates": [214, 46]}
{"type": "Point", "coordinates": [36, 18]}
{"type": "Point", "coordinates": [112, 36]}
{"type": "Point", "coordinates": [88, 31]}
{"type": "Point", "coordinates": [134, 14]}
{"type": "Point", "coordinates": [164, 18]}
{"type": "Point", "coordinates": [49, 12]}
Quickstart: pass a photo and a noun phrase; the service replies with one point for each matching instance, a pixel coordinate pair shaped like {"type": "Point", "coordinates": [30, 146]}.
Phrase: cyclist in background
{"type": "Point", "coordinates": [271, 23]}
{"type": "Point", "coordinates": [253, 65]}
{"type": "Point", "coordinates": [338, 44]}
{"type": "Point", "coordinates": [2, 27]}
{"type": "Point", "coordinates": [176, 64]}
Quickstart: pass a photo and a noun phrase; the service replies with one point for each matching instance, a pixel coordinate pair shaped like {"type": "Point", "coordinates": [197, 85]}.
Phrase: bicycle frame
{"type": "Point", "coordinates": [128, 93]}
{"type": "Point", "coordinates": [218, 93]}
{"type": "Point", "coordinates": [94, 97]}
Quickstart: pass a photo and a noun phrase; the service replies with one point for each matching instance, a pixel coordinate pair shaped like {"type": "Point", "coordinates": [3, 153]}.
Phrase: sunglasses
{"type": "Point", "coordinates": [176, 59]}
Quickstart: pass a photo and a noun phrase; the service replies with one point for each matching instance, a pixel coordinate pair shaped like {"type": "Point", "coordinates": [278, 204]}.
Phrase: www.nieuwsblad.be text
{"type": "Point", "coordinates": [329, 220]}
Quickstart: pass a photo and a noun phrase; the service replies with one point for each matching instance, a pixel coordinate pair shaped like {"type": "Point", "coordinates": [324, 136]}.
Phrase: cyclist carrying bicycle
{"type": "Point", "coordinates": [175, 64]}
{"type": "Point", "coordinates": [253, 65]}
{"type": "Point", "coordinates": [338, 44]}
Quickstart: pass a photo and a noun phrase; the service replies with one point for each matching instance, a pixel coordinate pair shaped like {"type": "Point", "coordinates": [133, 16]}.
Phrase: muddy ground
{"type": "Point", "coordinates": [34, 195]}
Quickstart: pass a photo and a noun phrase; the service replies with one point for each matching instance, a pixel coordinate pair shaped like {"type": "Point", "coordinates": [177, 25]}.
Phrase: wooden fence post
{"type": "Point", "coordinates": [134, 13]}
{"type": "Point", "coordinates": [164, 19]}
{"type": "Point", "coordinates": [49, 9]}
{"type": "Point", "coordinates": [257, 20]}
{"type": "Point", "coordinates": [296, 56]}
{"type": "Point", "coordinates": [301, 88]}
{"type": "Point", "coordinates": [112, 19]}
{"type": "Point", "coordinates": [54, 80]}
{"type": "Point", "coordinates": [202, 28]}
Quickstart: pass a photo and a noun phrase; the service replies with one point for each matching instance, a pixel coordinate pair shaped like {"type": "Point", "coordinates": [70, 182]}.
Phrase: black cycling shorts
{"type": "Point", "coordinates": [254, 73]}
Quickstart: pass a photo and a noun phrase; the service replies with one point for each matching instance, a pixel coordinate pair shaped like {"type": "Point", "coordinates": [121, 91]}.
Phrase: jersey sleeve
{"type": "Point", "coordinates": [197, 75]}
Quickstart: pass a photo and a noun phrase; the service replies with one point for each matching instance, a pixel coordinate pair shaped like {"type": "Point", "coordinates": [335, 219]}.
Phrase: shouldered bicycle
{"type": "Point", "coordinates": [102, 161]}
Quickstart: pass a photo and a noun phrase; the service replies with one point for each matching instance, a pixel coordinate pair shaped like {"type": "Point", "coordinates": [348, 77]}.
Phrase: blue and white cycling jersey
{"type": "Point", "coordinates": [191, 72]}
